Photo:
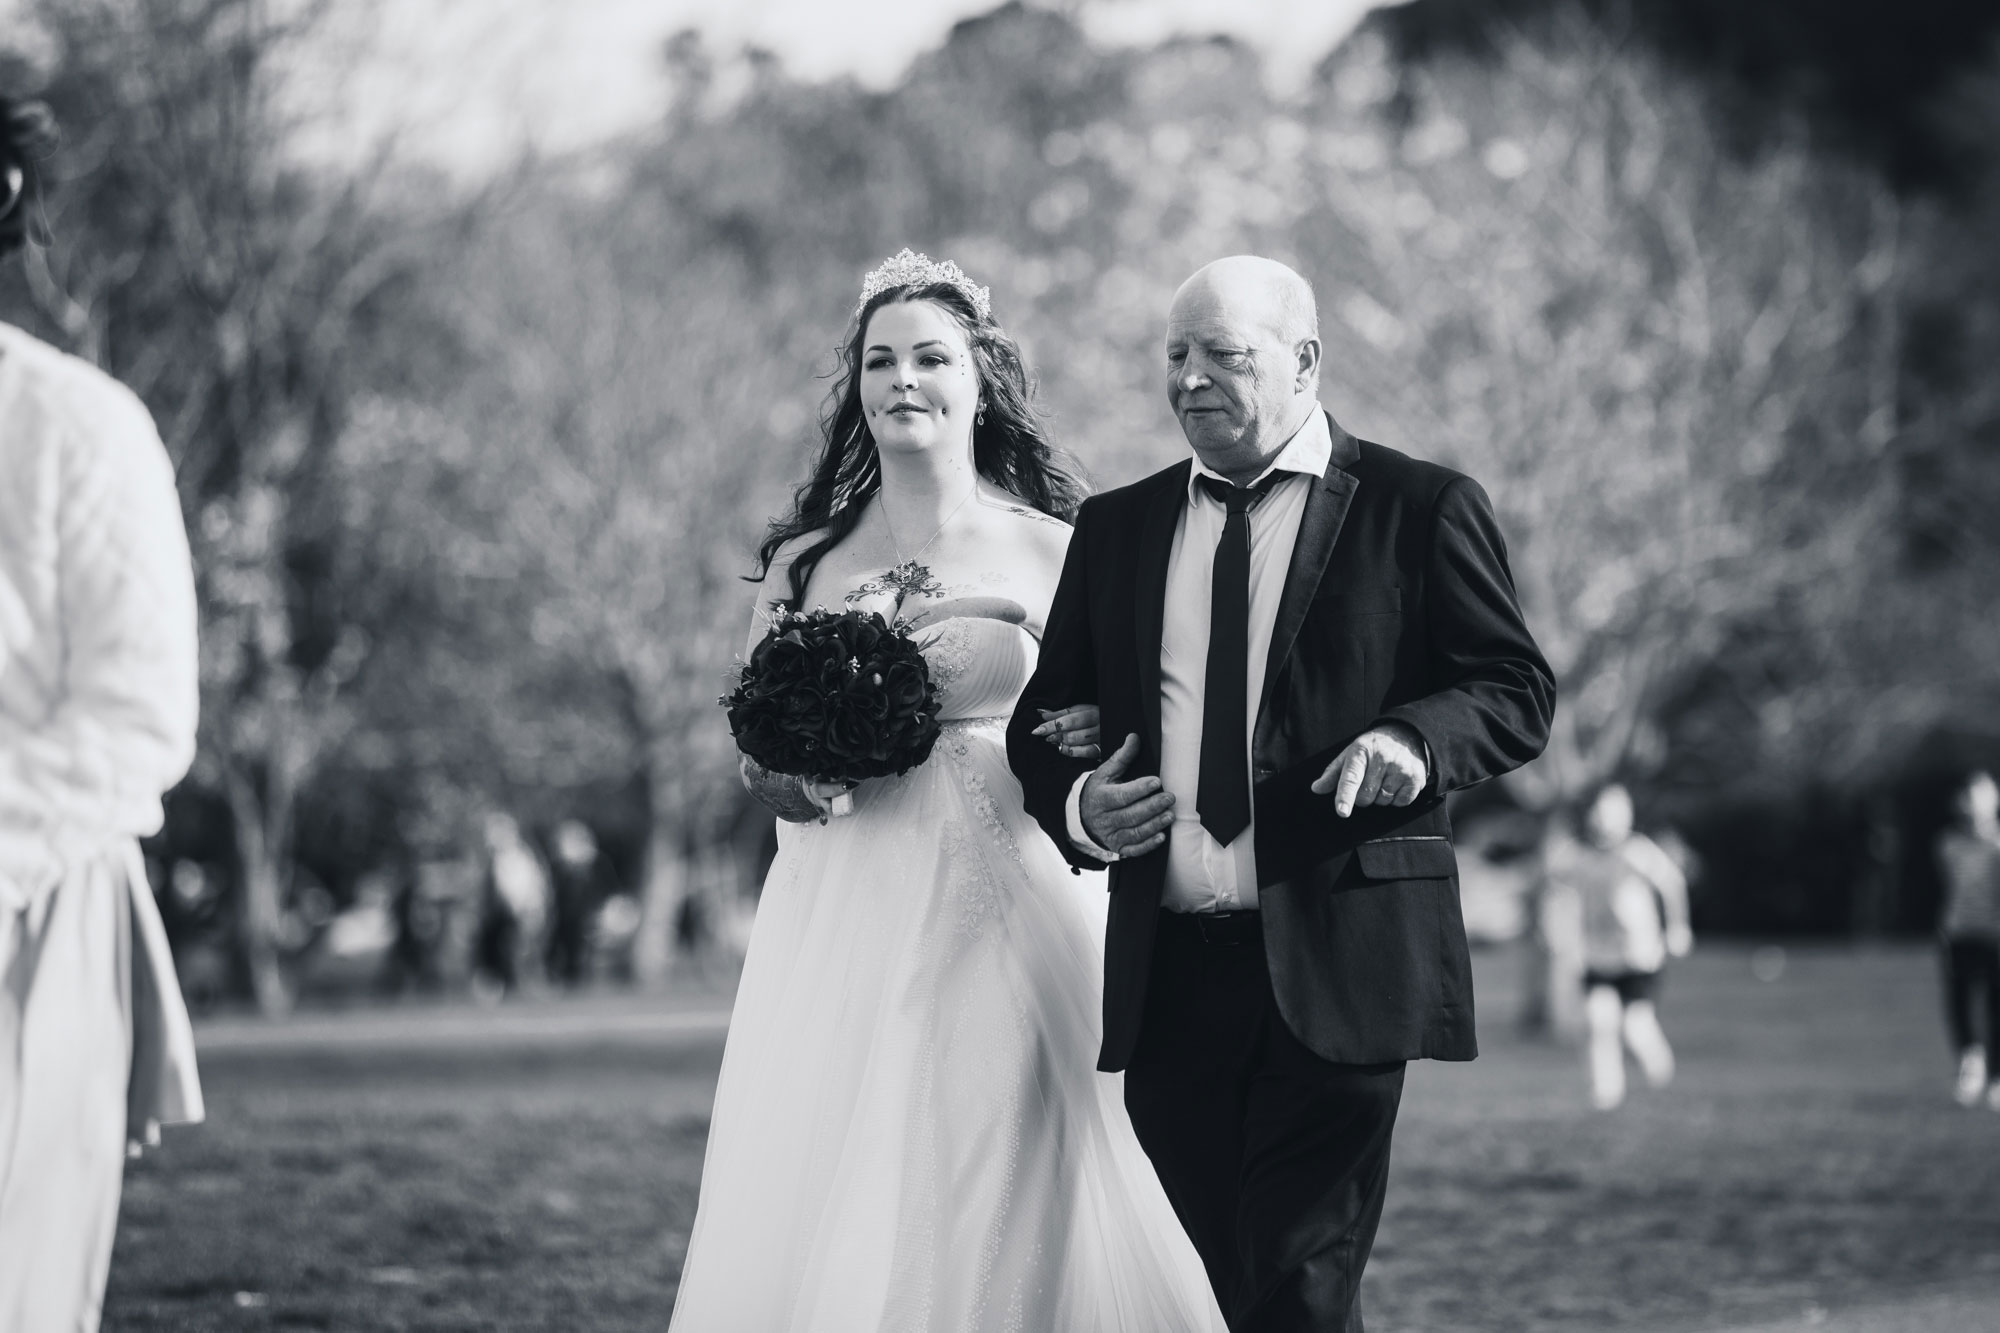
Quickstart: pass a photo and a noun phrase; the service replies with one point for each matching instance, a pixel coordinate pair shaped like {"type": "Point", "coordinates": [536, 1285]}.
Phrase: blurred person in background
{"type": "Point", "coordinates": [1553, 968]}
{"type": "Point", "coordinates": [410, 964]}
{"type": "Point", "coordinates": [576, 888]}
{"type": "Point", "coordinates": [98, 698]}
{"type": "Point", "coordinates": [1968, 853]}
{"type": "Point", "coordinates": [1633, 904]}
{"type": "Point", "coordinates": [514, 904]}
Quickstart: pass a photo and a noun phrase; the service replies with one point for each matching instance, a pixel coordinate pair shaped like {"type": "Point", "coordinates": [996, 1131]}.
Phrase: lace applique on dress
{"type": "Point", "coordinates": [950, 653]}
{"type": "Point", "coordinates": [954, 744]}
{"type": "Point", "coordinates": [969, 881]}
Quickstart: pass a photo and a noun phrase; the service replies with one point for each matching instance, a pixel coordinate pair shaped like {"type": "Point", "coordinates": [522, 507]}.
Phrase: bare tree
{"type": "Point", "coordinates": [1674, 366]}
{"type": "Point", "coordinates": [1675, 363]}
{"type": "Point", "coordinates": [231, 288]}
{"type": "Point", "coordinates": [637, 409]}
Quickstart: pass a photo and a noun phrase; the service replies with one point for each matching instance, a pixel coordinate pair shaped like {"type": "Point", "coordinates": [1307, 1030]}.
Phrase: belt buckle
{"type": "Point", "coordinates": [1225, 928]}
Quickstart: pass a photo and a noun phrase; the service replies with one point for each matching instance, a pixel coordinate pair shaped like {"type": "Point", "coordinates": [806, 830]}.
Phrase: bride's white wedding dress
{"type": "Point", "coordinates": [909, 1133]}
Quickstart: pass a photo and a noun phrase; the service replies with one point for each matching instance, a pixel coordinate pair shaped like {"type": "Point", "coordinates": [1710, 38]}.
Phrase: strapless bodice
{"type": "Point", "coordinates": [980, 666]}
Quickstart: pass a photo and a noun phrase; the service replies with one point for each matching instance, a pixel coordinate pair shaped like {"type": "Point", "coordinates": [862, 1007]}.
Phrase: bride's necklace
{"type": "Point", "coordinates": [910, 577]}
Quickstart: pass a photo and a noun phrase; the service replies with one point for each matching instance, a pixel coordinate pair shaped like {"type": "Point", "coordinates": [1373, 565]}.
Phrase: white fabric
{"type": "Point", "coordinates": [65, 1057]}
{"type": "Point", "coordinates": [97, 720]}
{"type": "Point", "coordinates": [164, 1085]}
{"type": "Point", "coordinates": [1627, 895]}
{"type": "Point", "coordinates": [1202, 874]}
{"type": "Point", "coordinates": [1970, 865]}
{"type": "Point", "coordinates": [909, 1133]}
{"type": "Point", "coordinates": [97, 617]}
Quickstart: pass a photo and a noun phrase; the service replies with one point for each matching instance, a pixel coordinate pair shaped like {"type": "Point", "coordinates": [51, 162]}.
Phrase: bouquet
{"type": "Point", "coordinates": [835, 696]}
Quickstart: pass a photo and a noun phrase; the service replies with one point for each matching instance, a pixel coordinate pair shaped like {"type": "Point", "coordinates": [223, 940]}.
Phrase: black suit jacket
{"type": "Point", "coordinates": [1398, 605]}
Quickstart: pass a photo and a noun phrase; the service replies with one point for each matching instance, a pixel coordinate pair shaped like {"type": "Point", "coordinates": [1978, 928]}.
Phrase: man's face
{"type": "Point", "coordinates": [1233, 377]}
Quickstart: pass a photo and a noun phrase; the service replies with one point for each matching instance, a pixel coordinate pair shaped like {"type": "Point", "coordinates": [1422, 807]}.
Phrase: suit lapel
{"type": "Point", "coordinates": [1156, 545]}
{"type": "Point", "coordinates": [1319, 527]}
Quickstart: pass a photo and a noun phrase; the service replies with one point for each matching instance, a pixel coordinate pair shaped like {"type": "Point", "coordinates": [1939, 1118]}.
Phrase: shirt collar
{"type": "Point", "coordinates": [1308, 452]}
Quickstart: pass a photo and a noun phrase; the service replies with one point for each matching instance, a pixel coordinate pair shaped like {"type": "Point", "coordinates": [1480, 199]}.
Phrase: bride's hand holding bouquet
{"type": "Point", "coordinates": [832, 698]}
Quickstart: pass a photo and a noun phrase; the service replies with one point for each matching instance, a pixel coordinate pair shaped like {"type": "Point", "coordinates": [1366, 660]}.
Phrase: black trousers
{"type": "Point", "coordinates": [1276, 1160]}
{"type": "Point", "coordinates": [1970, 966]}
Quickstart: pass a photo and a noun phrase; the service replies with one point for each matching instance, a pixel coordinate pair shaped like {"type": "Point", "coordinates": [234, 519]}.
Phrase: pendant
{"type": "Point", "coordinates": [906, 580]}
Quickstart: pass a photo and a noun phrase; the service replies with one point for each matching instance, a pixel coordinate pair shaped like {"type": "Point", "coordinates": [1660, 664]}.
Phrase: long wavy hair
{"type": "Point", "coordinates": [1011, 448]}
{"type": "Point", "coordinates": [27, 139]}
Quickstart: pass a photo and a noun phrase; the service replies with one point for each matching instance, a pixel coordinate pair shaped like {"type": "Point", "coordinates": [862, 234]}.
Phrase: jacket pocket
{"type": "Point", "coordinates": [1420, 857]}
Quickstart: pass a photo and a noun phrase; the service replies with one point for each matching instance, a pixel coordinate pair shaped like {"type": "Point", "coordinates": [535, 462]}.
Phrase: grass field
{"type": "Point", "coordinates": [537, 1169]}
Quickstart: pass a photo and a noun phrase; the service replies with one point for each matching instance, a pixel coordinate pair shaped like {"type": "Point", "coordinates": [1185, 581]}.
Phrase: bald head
{"type": "Point", "coordinates": [1242, 361]}
{"type": "Point", "coordinates": [1262, 289]}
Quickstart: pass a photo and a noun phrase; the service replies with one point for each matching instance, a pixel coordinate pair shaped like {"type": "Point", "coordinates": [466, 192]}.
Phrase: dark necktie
{"type": "Point", "coordinates": [1223, 799]}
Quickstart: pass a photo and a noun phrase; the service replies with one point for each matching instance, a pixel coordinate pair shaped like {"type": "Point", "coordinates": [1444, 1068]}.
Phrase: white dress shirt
{"type": "Point", "coordinates": [1202, 874]}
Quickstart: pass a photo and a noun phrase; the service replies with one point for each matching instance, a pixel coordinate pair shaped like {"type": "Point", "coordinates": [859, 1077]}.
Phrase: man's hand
{"type": "Point", "coordinates": [1384, 766]}
{"type": "Point", "coordinates": [1129, 818]}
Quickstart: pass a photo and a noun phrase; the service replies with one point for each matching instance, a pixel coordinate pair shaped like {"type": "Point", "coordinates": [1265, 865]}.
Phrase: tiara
{"type": "Point", "coordinates": [910, 269]}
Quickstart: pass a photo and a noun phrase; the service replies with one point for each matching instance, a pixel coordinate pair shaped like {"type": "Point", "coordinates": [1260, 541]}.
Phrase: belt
{"type": "Point", "coordinates": [1216, 927]}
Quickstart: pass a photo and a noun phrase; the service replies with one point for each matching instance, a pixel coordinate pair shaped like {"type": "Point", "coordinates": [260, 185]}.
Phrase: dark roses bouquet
{"type": "Point", "coordinates": [835, 696]}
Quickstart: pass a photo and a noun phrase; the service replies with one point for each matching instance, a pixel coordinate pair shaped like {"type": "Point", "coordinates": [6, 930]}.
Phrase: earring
{"type": "Point", "coordinates": [981, 419]}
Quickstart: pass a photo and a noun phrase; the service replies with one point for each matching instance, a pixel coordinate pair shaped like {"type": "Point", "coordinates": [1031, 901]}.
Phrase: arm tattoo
{"type": "Point", "coordinates": [783, 796]}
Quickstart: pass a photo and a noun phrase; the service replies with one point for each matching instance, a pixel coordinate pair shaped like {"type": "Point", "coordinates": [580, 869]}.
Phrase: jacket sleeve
{"type": "Point", "coordinates": [1065, 675]}
{"type": "Point", "coordinates": [1494, 695]}
{"type": "Point", "coordinates": [122, 730]}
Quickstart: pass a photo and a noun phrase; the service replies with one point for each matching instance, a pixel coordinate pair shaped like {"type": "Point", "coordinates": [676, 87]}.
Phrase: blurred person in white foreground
{"type": "Point", "coordinates": [97, 719]}
{"type": "Point", "coordinates": [1634, 906]}
{"type": "Point", "coordinates": [1968, 853]}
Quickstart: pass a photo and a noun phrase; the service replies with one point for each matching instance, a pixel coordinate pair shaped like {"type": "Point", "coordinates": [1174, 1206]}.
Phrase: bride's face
{"type": "Point", "coordinates": [919, 386]}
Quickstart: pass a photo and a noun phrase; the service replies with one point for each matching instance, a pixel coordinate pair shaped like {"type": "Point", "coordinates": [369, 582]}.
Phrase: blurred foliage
{"type": "Point", "coordinates": [472, 479]}
{"type": "Point", "coordinates": [1867, 74]}
{"type": "Point", "coordinates": [245, 300]}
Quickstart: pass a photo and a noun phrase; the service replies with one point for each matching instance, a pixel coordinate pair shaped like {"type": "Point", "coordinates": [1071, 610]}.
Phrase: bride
{"type": "Point", "coordinates": [909, 1132]}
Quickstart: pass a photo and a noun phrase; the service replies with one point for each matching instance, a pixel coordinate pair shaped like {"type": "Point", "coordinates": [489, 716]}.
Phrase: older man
{"type": "Point", "coordinates": [1305, 641]}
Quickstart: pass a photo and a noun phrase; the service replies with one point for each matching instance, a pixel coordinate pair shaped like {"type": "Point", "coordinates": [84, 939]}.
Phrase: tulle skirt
{"type": "Point", "coordinates": [909, 1132]}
